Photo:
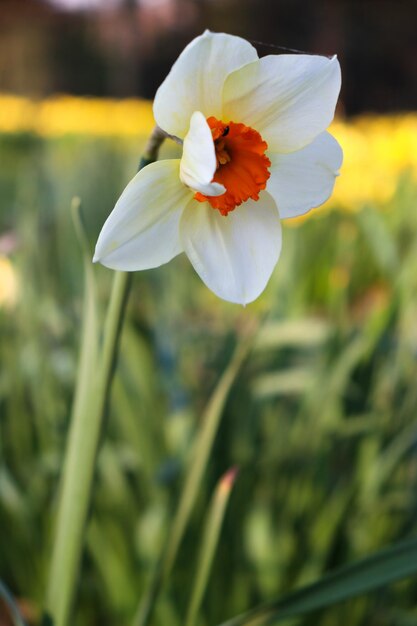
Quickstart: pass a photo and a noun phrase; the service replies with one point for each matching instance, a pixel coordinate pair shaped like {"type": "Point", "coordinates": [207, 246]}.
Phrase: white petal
{"type": "Point", "coordinates": [195, 82]}
{"type": "Point", "coordinates": [198, 162]}
{"type": "Point", "coordinates": [288, 98]}
{"type": "Point", "coordinates": [233, 255]}
{"type": "Point", "coordinates": [143, 229]}
{"type": "Point", "coordinates": [304, 179]}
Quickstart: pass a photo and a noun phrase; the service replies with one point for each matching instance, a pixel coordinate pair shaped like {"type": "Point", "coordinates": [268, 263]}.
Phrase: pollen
{"type": "Point", "coordinates": [242, 165]}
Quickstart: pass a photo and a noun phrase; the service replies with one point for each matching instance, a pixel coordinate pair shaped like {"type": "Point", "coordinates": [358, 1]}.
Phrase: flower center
{"type": "Point", "coordinates": [242, 166]}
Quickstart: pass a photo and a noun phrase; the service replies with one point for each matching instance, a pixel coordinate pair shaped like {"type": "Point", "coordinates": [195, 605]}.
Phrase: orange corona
{"type": "Point", "coordinates": [242, 165]}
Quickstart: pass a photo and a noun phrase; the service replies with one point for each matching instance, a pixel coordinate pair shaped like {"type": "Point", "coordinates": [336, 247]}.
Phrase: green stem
{"type": "Point", "coordinates": [83, 443]}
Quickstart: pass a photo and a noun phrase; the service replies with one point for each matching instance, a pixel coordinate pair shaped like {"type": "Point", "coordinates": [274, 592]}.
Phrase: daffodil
{"type": "Point", "coordinates": [254, 150]}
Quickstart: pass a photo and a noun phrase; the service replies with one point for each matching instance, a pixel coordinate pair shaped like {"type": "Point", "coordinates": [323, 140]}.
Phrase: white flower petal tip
{"type": "Point", "coordinates": [305, 179]}
{"type": "Point", "coordinates": [233, 255]}
{"type": "Point", "coordinates": [195, 82]}
{"type": "Point", "coordinates": [143, 229]}
{"type": "Point", "coordinates": [198, 163]}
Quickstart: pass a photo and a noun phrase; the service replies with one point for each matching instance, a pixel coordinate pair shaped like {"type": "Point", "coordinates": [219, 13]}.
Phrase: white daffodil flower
{"type": "Point", "coordinates": [255, 149]}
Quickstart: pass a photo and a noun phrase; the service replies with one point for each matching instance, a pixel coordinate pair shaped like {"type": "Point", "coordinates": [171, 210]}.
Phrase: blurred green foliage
{"type": "Point", "coordinates": [321, 419]}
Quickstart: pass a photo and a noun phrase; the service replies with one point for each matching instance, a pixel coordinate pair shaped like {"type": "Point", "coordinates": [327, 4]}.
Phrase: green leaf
{"type": "Point", "coordinates": [385, 567]}
{"type": "Point", "coordinates": [380, 240]}
{"type": "Point", "coordinates": [89, 328]}
{"type": "Point", "coordinates": [193, 477]}
{"type": "Point", "coordinates": [209, 543]}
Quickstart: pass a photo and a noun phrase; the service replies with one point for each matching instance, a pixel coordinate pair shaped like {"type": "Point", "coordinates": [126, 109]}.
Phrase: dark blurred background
{"type": "Point", "coordinates": [123, 48]}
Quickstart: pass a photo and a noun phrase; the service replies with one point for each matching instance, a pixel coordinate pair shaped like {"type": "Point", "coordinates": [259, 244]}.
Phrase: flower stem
{"type": "Point", "coordinates": [87, 420]}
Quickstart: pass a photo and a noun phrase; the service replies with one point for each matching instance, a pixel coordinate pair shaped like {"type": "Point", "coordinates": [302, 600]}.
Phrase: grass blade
{"type": "Point", "coordinates": [382, 568]}
{"type": "Point", "coordinates": [201, 452]}
{"type": "Point", "coordinates": [194, 475]}
{"type": "Point", "coordinates": [89, 331]}
{"type": "Point", "coordinates": [69, 523]}
{"type": "Point", "coordinates": [209, 542]}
